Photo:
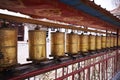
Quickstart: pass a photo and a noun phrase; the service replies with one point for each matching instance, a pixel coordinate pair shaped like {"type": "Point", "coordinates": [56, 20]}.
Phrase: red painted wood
{"type": "Point", "coordinates": [54, 10]}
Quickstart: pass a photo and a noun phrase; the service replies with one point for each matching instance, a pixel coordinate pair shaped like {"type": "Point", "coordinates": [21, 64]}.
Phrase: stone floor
{"type": "Point", "coordinates": [117, 76]}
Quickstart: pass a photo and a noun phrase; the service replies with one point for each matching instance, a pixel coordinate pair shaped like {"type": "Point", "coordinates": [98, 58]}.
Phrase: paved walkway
{"type": "Point", "coordinates": [117, 76]}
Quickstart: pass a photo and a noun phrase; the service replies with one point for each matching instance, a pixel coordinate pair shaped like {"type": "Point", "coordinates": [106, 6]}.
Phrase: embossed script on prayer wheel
{"type": "Point", "coordinates": [115, 41]}
{"type": "Point", "coordinates": [98, 42]}
{"type": "Point", "coordinates": [73, 43]}
{"type": "Point", "coordinates": [111, 41]}
{"type": "Point", "coordinates": [79, 43]}
{"type": "Point", "coordinates": [67, 43]}
{"type": "Point", "coordinates": [8, 47]}
{"type": "Point", "coordinates": [37, 44]}
{"type": "Point", "coordinates": [57, 44]}
{"type": "Point", "coordinates": [84, 43]}
{"type": "Point", "coordinates": [119, 41]}
{"type": "Point", "coordinates": [92, 42]}
{"type": "Point", "coordinates": [108, 42]}
{"type": "Point", "coordinates": [103, 42]}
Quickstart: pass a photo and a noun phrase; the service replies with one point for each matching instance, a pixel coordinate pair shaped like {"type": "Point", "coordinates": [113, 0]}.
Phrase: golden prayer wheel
{"type": "Point", "coordinates": [98, 42]}
{"type": "Point", "coordinates": [119, 41]}
{"type": "Point", "coordinates": [111, 41]}
{"type": "Point", "coordinates": [92, 45]}
{"type": "Point", "coordinates": [37, 44]}
{"type": "Point", "coordinates": [58, 44]}
{"type": "Point", "coordinates": [67, 43]}
{"type": "Point", "coordinates": [79, 43]}
{"type": "Point", "coordinates": [115, 41]}
{"type": "Point", "coordinates": [103, 42]}
{"type": "Point", "coordinates": [108, 42]}
{"type": "Point", "coordinates": [8, 47]}
{"type": "Point", "coordinates": [73, 43]}
{"type": "Point", "coordinates": [84, 43]}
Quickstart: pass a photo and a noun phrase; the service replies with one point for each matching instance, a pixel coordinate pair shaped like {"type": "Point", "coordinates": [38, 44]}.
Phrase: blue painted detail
{"type": "Point", "coordinates": [82, 6]}
{"type": "Point", "coordinates": [71, 2]}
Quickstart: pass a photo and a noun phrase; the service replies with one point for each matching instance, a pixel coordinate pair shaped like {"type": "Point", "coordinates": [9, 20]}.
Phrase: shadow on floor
{"type": "Point", "coordinates": [117, 76]}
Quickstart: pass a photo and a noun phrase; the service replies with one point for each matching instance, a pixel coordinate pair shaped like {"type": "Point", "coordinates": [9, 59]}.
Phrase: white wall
{"type": "Point", "coordinates": [23, 52]}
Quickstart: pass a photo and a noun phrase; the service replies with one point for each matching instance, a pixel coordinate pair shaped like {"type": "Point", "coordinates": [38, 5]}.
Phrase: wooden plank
{"type": "Point", "coordinates": [45, 24]}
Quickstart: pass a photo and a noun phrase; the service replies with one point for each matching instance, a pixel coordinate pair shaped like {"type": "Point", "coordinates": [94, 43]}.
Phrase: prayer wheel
{"type": "Point", "coordinates": [92, 42]}
{"type": "Point", "coordinates": [73, 43]}
{"type": "Point", "coordinates": [84, 43]}
{"type": "Point", "coordinates": [79, 43]}
{"type": "Point", "coordinates": [37, 44]}
{"type": "Point", "coordinates": [103, 42]}
{"type": "Point", "coordinates": [119, 41]}
{"type": "Point", "coordinates": [111, 41]}
{"type": "Point", "coordinates": [58, 44]}
{"type": "Point", "coordinates": [8, 47]}
{"type": "Point", "coordinates": [115, 41]}
{"type": "Point", "coordinates": [108, 42]}
{"type": "Point", "coordinates": [67, 43]}
{"type": "Point", "coordinates": [98, 42]}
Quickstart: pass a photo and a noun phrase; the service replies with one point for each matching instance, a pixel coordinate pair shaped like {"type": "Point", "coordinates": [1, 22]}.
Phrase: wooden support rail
{"type": "Point", "coordinates": [45, 24]}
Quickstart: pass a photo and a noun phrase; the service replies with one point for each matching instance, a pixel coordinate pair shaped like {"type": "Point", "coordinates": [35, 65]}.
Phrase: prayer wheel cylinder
{"type": "Point", "coordinates": [103, 42]}
{"type": "Point", "coordinates": [73, 43]}
{"type": "Point", "coordinates": [98, 42]}
{"type": "Point", "coordinates": [52, 44]}
{"type": "Point", "coordinates": [84, 43]}
{"type": "Point", "coordinates": [111, 41]}
{"type": "Point", "coordinates": [108, 42]}
{"type": "Point", "coordinates": [37, 44]}
{"type": "Point", "coordinates": [115, 41]}
{"type": "Point", "coordinates": [67, 43]}
{"type": "Point", "coordinates": [119, 41]}
{"type": "Point", "coordinates": [58, 44]}
{"type": "Point", "coordinates": [79, 43]}
{"type": "Point", "coordinates": [92, 42]}
{"type": "Point", "coordinates": [8, 47]}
